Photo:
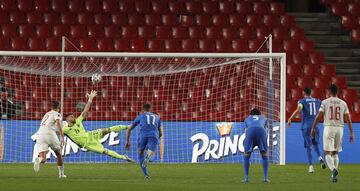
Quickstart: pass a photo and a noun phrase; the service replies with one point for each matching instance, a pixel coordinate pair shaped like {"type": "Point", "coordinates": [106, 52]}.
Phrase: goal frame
{"type": "Point", "coordinates": [282, 57]}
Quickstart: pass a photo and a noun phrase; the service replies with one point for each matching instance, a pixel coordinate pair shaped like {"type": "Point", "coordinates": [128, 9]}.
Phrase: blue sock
{"type": "Point", "coordinates": [309, 156]}
{"type": "Point", "coordinates": [141, 160]}
{"type": "Point", "coordinates": [317, 150]}
{"type": "Point", "coordinates": [265, 162]}
{"type": "Point", "coordinates": [246, 166]}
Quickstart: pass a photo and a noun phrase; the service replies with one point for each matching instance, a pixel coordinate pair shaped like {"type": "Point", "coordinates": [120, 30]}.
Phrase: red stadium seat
{"type": "Point", "coordinates": [76, 6]}
{"type": "Point", "coordinates": [300, 58]}
{"type": "Point", "coordinates": [87, 44]}
{"type": "Point", "coordinates": [240, 45]}
{"type": "Point", "coordinates": [226, 7]}
{"type": "Point", "coordinates": [102, 19]}
{"type": "Point", "coordinates": [146, 32]}
{"type": "Point", "coordinates": [129, 32]}
{"type": "Point", "coordinates": [93, 6]}
{"type": "Point", "coordinates": [193, 7]}
{"type": "Point", "coordinates": [297, 33]}
{"type": "Point", "coordinates": [356, 107]}
{"type": "Point", "coordinates": [277, 8]}
{"type": "Point", "coordinates": [42, 6]}
{"type": "Point", "coordinates": [137, 45]}
{"type": "Point", "coordinates": [349, 21]}
{"type": "Point", "coordinates": [177, 7]}
{"type": "Point", "coordinates": [355, 34]}
{"type": "Point", "coordinates": [4, 43]}
{"type": "Point", "coordinates": [143, 7]}
{"type": "Point", "coordinates": [52, 18]}
{"type": "Point", "coordinates": [189, 45]}
{"type": "Point", "coordinates": [136, 19]}
{"type": "Point", "coordinates": [196, 32]}
{"type": "Point", "coordinates": [253, 20]}
{"type": "Point", "coordinates": [8, 5]}
{"type": "Point", "coordinates": [4, 17]}
{"type": "Point", "coordinates": [96, 31]}
{"type": "Point", "coordinates": [17, 17]}
{"type": "Point", "coordinates": [339, 9]}
{"type": "Point", "coordinates": [296, 94]}
{"type": "Point", "coordinates": [207, 45]}
{"type": "Point", "coordinates": [277, 46]}
{"type": "Point", "coordinates": [172, 45]}
{"type": "Point", "coordinates": [220, 20]}
{"type": "Point", "coordinates": [311, 70]}
{"type": "Point", "coordinates": [105, 45]}
{"type": "Point", "coordinates": [237, 20]}
{"type": "Point", "coordinates": [85, 18]}
{"type": "Point", "coordinates": [171, 20]}
{"type": "Point", "coordinates": [126, 6]}
{"type": "Point", "coordinates": [203, 20]}
{"type": "Point", "coordinates": [110, 6]}
{"type": "Point", "coordinates": [53, 44]}
{"type": "Point", "coordinates": [26, 30]}
{"type": "Point", "coordinates": [223, 45]}
{"type": "Point", "coordinates": [317, 58]}
{"type": "Point", "coordinates": [78, 31]}
{"type": "Point", "coordinates": [121, 45]}
{"type": "Point", "coordinates": [59, 6]}
{"type": "Point", "coordinates": [36, 44]}
{"type": "Point", "coordinates": [72, 44]}
{"type": "Point", "coordinates": [155, 45]}
{"type": "Point", "coordinates": [230, 33]}
{"type": "Point", "coordinates": [271, 21]}
{"type": "Point", "coordinates": [25, 5]}
{"type": "Point", "coordinates": [349, 95]}
{"type": "Point", "coordinates": [255, 45]}
{"type": "Point", "coordinates": [262, 32]}
{"type": "Point", "coordinates": [339, 81]}
{"type": "Point", "coordinates": [290, 107]}
{"type": "Point", "coordinates": [68, 18]}
{"type": "Point", "coordinates": [243, 8]}
{"type": "Point", "coordinates": [261, 8]}
{"type": "Point", "coordinates": [179, 32]}
{"type": "Point", "coordinates": [291, 82]}
{"type": "Point", "coordinates": [327, 70]}
{"type": "Point", "coordinates": [287, 21]}
{"type": "Point", "coordinates": [153, 19]}
{"type": "Point", "coordinates": [354, 9]}
{"type": "Point", "coordinates": [61, 30]}
{"type": "Point", "coordinates": [291, 46]}
{"type": "Point", "coordinates": [18, 43]}
{"type": "Point", "coordinates": [162, 32]}
{"type": "Point", "coordinates": [34, 18]}
{"type": "Point", "coordinates": [294, 70]}
{"type": "Point", "coordinates": [280, 33]}
{"type": "Point", "coordinates": [9, 30]}
{"type": "Point", "coordinates": [307, 45]}
{"type": "Point", "coordinates": [213, 32]}
{"type": "Point", "coordinates": [159, 7]}
{"type": "Point", "coordinates": [112, 31]}
{"type": "Point", "coordinates": [247, 33]}
{"type": "Point", "coordinates": [305, 81]}
{"type": "Point", "coordinates": [210, 7]}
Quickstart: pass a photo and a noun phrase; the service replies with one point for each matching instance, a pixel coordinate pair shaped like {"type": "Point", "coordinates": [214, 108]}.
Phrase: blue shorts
{"type": "Point", "coordinates": [308, 140]}
{"type": "Point", "coordinates": [255, 136]}
{"type": "Point", "coordinates": [149, 143]}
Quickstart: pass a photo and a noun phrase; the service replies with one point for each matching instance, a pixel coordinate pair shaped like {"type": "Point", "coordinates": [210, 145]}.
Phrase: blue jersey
{"type": "Point", "coordinates": [149, 124]}
{"type": "Point", "coordinates": [310, 106]}
{"type": "Point", "coordinates": [255, 121]}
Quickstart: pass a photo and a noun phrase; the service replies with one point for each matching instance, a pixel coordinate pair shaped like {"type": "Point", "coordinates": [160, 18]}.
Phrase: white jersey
{"type": "Point", "coordinates": [48, 125]}
{"type": "Point", "coordinates": [334, 110]}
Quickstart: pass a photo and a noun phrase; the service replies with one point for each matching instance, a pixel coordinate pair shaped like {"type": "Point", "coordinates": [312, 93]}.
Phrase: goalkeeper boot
{"type": "Point", "coordinates": [37, 164]}
{"type": "Point", "coordinates": [322, 163]}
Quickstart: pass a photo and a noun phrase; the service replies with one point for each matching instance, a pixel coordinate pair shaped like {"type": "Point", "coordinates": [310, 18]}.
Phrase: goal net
{"type": "Point", "coordinates": [202, 100]}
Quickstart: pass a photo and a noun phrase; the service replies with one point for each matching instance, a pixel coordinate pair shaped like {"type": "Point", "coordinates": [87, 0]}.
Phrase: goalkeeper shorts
{"type": "Point", "coordinates": [93, 142]}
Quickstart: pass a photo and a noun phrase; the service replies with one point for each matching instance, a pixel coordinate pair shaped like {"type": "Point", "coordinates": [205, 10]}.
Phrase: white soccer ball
{"type": "Point", "coordinates": [96, 78]}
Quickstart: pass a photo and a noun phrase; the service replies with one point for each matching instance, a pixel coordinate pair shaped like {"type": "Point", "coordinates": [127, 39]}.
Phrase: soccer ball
{"type": "Point", "coordinates": [96, 78]}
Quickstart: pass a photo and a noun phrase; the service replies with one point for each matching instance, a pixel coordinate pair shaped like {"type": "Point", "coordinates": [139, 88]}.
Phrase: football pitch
{"type": "Point", "coordinates": [170, 177]}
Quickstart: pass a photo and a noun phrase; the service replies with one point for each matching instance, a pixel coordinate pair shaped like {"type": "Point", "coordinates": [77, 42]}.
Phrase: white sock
{"type": "Point", "coordinates": [61, 170]}
{"type": "Point", "coordinates": [330, 162]}
{"type": "Point", "coordinates": [336, 161]}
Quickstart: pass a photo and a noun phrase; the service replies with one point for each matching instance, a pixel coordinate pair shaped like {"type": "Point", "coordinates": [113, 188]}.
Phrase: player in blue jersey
{"type": "Point", "coordinates": [150, 132]}
{"type": "Point", "coordinates": [309, 107]}
{"type": "Point", "coordinates": [255, 135]}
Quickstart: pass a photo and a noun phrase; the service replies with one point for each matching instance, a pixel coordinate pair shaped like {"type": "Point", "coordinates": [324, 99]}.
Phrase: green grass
{"type": "Point", "coordinates": [121, 177]}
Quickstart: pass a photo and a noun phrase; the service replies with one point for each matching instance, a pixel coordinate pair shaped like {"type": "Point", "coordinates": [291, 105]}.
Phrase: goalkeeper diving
{"type": "Point", "coordinates": [90, 140]}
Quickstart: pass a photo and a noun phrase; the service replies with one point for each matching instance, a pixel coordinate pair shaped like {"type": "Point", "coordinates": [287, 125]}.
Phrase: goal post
{"type": "Point", "coordinates": [202, 99]}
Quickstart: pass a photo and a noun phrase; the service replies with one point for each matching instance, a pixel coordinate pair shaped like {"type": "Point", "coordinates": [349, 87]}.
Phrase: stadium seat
{"type": "Point", "coordinates": [8, 5]}
{"type": "Point", "coordinates": [317, 58]}
{"type": "Point", "coordinates": [4, 43]}
{"type": "Point", "coordinates": [34, 18]}
{"type": "Point", "coordinates": [296, 94]}
{"type": "Point", "coordinates": [172, 45]}
{"type": "Point", "coordinates": [213, 32]}
{"type": "Point", "coordinates": [68, 18]}
{"type": "Point", "coordinates": [136, 19]}
{"type": "Point", "coordinates": [349, 95]}
{"type": "Point", "coordinates": [290, 107]}
{"type": "Point", "coordinates": [153, 19]}
{"type": "Point", "coordinates": [102, 19]}
{"type": "Point", "coordinates": [220, 20]}
{"type": "Point", "coordinates": [271, 21]}
{"type": "Point", "coordinates": [196, 32]}
{"type": "Point", "coordinates": [321, 82]}
{"type": "Point", "coordinates": [230, 33]}
{"type": "Point", "coordinates": [159, 7]}
{"type": "Point", "coordinates": [61, 30]}
{"type": "Point", "coordinates": [210, 7]}
{"type": "Point", "coordinates": [223, 45]}
{"type": "Point", "coordinates": [297, 33]}
{"type": "Point", "coordinates": [349, 22]}
{"type": "Point", "coordinates": [226, 7]}
{"type": "Point", "coordinates": [311, 70]}
{"type": "Point", "coordinates": [237, 20]}
{"type": "Point", "coordinates": [76, 6]}
{"type": "Point", "coordinates": [162, 32]}
{"type": "Point", "coordinates": [339, 9]}
{"type": "Point", "coordinates": [280, 33]}
{"type": "Point", "coordinates": [307, 45]}
{"type": "Point", "coordinates": [262, 32]}
{"type": "Point", "coordinates": [356, 107]}
{"type": "Point", "coordinates": [72, 44]}
{"type": "Point", "coordinates": [171, 20]}
{"type": "Point", "coordinates": [261, 8]}
{"type": "Point", "coordinates": [4, 17]}
{"type": "Point", "coordinates": [305, 81]}
{"type": "Point", "coordinates": [255, 45]}
{"type": "Point", "coordinates": [287, 21]}
{"type": "Point", "coordinates": [143, 7]}
{"type": "Point", "coordinates": [189, 45]}
{"type": "Point", "coordinates": [339, 81]}
{"type": "Point", "coordinates": [52, 18]}
{"type": "Point", "coordinates": [146, 32]}
{"type": "Point", "coordinates": [277, 8]}
{"type": "Point", "coordinates": [53, 44]}
{"type": "Point", "coordinates": [355, 35]}
{"type": "Point", "coordinates": [126, 6]}
{"type": "Point", "coordinates": [85, 18]}
{"type": "Point", "coordinates": [253, 20]}
{"type": "Point", "coordinates": [96, 31]}
{"type": "Point", "coordinates": [203, 20]}
{"type": "Point", "coordinates": [193, 7]}
{"type": "Point", "coordinates": [17, 17]}
{"type": "Point", "coordinates": [180, 32]}
{"type": "Point", "coordinates": [93, 6]}
{"type": "Point", "coordinates": [78, 31]}
{"type": "Point", "coordinates": [9, 30]}
{"type": "Point", "coordinates": [318, 93]}
{"type": "Point", "coordinates": [122, 20]}
{"type": "Point", "coordinates": [291, 46]}
{"type": "Point", "coordinates": [354, 9]}
{"type": "Point", "coordinates": [19, 43]}
{"type": "Point", "coordinates": [176, 7]}
{"type": "Point", "coordinates": [112, 31]}
{"type": "Point", "coordinates": [58, 6]}
{"type": "Point", "coordinates": [240, 45]}
{"type": "Point", "coordinates": [247, 32]}
{"type": "Point", "coordinates": [42, 6]}
{"type": "Point", "coordinates": [137, 45]}
{"type": "Point", "coordinates": [25, 6]}
{"type": "Point", "coordinates": [243, 7]}
{"type": "Point", "coordinates": [36, 44]}
{"type": "Point", "coordinates": [129, 32]}
{"type": "Point", "coordinates": [327, 70]}
{"type": "Point", "coordinates": [105, 44]}
{"type": "Point", "coordinates": [26, 30]}
{"type": "Point", "coordinates": [110, 6]}
{"type": "Point", "coordinates": [294, 70]}
{"type": "Point", "coordinates": [155, 45]}
{"type": "Point", "coordinates": [207, 45]}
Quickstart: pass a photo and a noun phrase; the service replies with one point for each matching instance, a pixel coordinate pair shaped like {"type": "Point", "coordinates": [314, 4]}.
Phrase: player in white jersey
{"type": "Point", "coordinates": [334, 110]}
{"type": "Point", "coordinates": [48, 136]}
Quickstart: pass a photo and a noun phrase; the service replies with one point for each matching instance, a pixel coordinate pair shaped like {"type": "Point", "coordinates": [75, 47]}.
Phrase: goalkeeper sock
{"type": "Point", "coordinates": [265, 163]}
{"type": "Point", "coordinates": [246, 166]}
{"type": "Point", "coordinates": [330, 162]}
{"type": "Point", "coordinates": [336, 161]}
{"type": "Point", "coordinates": [61, 170]}
{"type": "Point", "coordinates": [115, 154]}
{"type": "Point", "coordinates": [117, 128]}
{"type": "Point", "coordinates": [309, 155]}
{"type": "Point", "coordinates": [141, 160]}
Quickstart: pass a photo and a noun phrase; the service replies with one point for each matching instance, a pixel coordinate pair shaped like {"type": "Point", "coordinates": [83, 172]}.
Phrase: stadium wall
{"type": "Point", "coordinates": [184, 142]}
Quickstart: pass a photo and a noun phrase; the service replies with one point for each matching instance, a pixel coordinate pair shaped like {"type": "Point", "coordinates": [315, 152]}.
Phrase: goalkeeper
{"type": "Point", "coordinates": [90, 140]}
